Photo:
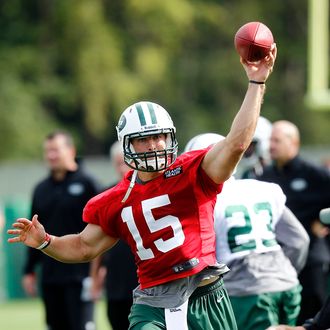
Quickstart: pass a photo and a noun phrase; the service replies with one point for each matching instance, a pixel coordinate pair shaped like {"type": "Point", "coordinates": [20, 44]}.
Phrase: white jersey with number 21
{"type": "Point", "coordinates": [246, 214]}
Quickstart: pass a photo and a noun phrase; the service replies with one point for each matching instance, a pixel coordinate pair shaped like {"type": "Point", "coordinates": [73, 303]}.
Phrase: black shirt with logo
{"type": "Point", "coordinates": [59, 205]}
{"type": "Point", "coordinates": [307, 188]}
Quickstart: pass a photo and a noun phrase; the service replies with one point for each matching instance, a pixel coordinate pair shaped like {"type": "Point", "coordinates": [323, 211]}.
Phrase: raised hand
{"type": "Point", "coordinates": [31, 233]}
{"type": "Point", "coordinates": [260, 70]}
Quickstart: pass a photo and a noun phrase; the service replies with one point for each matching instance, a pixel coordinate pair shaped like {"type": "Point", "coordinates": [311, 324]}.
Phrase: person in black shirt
{"type": "Point", "coordinates": [118, 265]}
{"type": "Point", "coordinates": [59, 200]}
{"type": "Point", "coordinates": [307, 187]}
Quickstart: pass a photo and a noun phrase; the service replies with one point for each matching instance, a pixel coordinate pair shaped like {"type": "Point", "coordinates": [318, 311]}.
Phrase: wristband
{"type": "Point", "coordinates": [257, 82]}
{"type": "Point", "coordinates": [45, 243]}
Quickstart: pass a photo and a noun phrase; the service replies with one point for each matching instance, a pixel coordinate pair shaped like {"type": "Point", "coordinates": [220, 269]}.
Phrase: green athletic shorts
{"type": "Point", "coordinates": [258, 312]}
{"type": "Point", "coordinates": [209, 308]}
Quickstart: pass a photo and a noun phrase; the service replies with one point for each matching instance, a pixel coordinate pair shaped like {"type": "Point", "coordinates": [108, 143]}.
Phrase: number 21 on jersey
{"type": "Point", "coordinates": [252, 228]}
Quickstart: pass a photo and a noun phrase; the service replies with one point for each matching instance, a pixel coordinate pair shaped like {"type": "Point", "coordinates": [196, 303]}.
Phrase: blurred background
{"type": "Point", "coordinates": [77, 64]}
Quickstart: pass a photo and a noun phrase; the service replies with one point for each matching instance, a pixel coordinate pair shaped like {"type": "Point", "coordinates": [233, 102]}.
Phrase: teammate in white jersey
{"type": "Point", "coordinates": [263, 244]}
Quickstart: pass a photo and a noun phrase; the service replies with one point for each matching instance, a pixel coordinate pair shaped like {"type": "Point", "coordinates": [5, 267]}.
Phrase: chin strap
{"type": "Point", "coordinates": [131, 185]}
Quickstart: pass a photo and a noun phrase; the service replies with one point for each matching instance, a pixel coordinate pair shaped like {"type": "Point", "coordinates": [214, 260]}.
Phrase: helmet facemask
{"type": "Point", "coordinates": [145, 119]}
{"type": "Point", "coordinates": [151, 161]}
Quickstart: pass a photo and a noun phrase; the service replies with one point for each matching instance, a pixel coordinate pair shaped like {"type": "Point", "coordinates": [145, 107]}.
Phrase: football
{"type": "Point", "coordinates": [253, 41]}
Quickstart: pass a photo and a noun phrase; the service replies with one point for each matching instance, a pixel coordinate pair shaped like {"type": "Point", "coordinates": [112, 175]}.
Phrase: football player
{"type": "Point", "coordinates": [264, 245]}
{"type": "Point", "coordinates": [257, 156]}
{"type": "Point", "coordinates": [163, 209]}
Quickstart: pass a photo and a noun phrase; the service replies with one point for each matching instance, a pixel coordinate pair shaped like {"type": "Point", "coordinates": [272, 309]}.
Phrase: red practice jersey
{"type": "Point", "coordinates": [167, 222]}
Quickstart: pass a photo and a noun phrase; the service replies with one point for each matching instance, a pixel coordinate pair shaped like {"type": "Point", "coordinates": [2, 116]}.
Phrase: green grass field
{"type": "Point", "coordinates": [28, 314]}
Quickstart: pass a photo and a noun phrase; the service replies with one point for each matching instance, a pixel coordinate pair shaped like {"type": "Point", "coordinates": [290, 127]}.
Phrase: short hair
{"type": "Point", "coordinates": [289, 129]}
{"type": "Point", "coordinates": [67, 137]}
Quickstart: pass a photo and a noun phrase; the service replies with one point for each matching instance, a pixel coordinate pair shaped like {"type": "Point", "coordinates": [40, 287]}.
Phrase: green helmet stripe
{"type": "Point", "coordinates": [152, 113]}
{"type": "Point", "coordinates": [140, 114]}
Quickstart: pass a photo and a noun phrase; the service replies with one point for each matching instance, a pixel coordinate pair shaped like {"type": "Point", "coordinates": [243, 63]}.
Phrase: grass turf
{"type": "Point", "coordinates": [28, 314]}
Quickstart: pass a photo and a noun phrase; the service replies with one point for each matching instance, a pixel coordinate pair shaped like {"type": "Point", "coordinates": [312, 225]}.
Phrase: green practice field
{"type": "Point", "coordinates": [28, 314]}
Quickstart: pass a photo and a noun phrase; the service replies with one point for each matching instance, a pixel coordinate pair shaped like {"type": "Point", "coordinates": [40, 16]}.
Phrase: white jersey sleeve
{"type": "Point", "coordinates": [246, 214]}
